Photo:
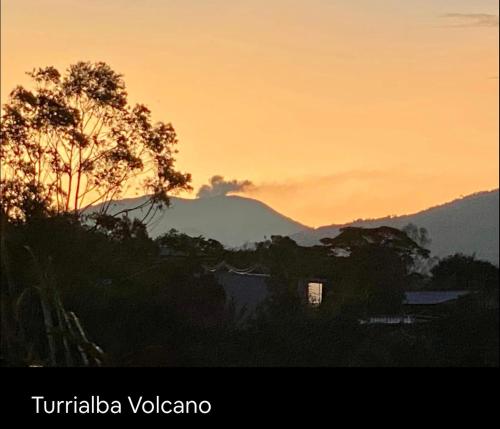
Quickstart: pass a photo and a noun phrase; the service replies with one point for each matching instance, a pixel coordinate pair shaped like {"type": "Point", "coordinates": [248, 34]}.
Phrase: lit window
{"type": "Point", "coordinates": [314, 293]}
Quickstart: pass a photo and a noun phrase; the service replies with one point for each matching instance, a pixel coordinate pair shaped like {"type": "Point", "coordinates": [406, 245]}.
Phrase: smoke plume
{"type": "Point", "coordinates": [218, 186]}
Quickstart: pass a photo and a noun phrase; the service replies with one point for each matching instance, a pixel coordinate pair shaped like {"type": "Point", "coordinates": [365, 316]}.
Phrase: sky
{"type": "Point", "coordinates": [334, 109]}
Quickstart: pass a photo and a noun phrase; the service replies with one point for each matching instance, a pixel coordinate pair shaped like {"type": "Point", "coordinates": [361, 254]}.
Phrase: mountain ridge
{"type": "Point", "coordinates": [468, 224]}
{"type": "Point", "coordinates": [437, 206]}
{"type": "Point", "coordinates": [232, 220]}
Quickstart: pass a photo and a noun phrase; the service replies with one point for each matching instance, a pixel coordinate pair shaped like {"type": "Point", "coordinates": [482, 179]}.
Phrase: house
{"type": "Point", "coordinates": [432, 303]}
{"type": "Point", "coordinates": [245, 289]}
{"type": "Point", "coordinates": [420, 307]}
{"type": "Point", "coordinates": [389, 320]}
{"type": "Point", "coordinates": [430, 298]}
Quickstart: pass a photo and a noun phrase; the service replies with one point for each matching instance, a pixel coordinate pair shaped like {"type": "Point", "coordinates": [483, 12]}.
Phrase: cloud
{"type": "Point", "coordinates": [218, 186]}
{"type": "Point", "coordinates": [344, 196]}
{"type": "Point", "coordinates": [321, 182]}
{"type": "Point", "coordinates": [471, 19]}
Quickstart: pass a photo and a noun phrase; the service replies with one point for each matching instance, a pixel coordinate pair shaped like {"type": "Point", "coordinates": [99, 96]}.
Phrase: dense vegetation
{"type": "Point", "coordinates": [80, 290]}
{"type": "Point", "coordinates": [142, 309]}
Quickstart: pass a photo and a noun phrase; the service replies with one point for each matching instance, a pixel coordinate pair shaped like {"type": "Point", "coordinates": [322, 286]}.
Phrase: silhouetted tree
{"type": "Point", "coordinates": [464, 272]}
{"type": "Point", "coordinates": [372, 281]}
{"type": "Point", "coordinates": [73, 141]}
{"type": "Point", "coordinates": [374, 264]}
{"type": "Point", "coordinates": [191, 246]}
{"type": "Point", "coordinates": [352, 238]}
{"type": "Point", "coordinates": [418, 235]}
{"type": "Point", "coordinates": [421, 264]}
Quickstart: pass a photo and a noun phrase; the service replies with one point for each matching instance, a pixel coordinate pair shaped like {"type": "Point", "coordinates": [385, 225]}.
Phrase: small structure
{"type": "Point", "coordinates": [433, 297]}
{"type": "Point", "coordinates": [433, 303]}
{"type": "Point", "coordinates": [389, 320]}
{"type": "Point", "coordinates": [245, 289]}
{"type": "Point", "coordinates": [420, 307]}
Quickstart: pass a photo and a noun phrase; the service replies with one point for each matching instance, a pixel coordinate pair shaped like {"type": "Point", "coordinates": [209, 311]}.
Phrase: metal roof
{"type": "Point", "coordinates": [433, 297]}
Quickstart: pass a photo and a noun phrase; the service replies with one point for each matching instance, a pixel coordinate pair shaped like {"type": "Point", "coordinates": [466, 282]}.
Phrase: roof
{"type": "Point", "coordinates": [255, 270]}
{"type": "Point", "coordinates": [433, 297]}
{"type": "Point", "coordinates": [245, 290]}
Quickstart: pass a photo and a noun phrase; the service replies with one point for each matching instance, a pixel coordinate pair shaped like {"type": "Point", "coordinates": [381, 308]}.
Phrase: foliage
{"type": "Point", "coordinates": [73, 140]}
{"type": "Point", "coordinates": [372, 281]}
{"type": "Point", "coordinates": [353, 238]}
{"type": "Point", "coordinates": [418, 235]}
{"type": "Point", "coordinates": [462, 272]}
{"type": "Point", "coordinates": [144, 310]}
{"type": "Point", "coordinates": [190, 246]}
{"type": "Point", "coordinates": [373, 267]}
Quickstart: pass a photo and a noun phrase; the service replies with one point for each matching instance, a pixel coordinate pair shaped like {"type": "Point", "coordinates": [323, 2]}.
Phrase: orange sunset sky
{"type": "Point", "coordinates": [334, 109]}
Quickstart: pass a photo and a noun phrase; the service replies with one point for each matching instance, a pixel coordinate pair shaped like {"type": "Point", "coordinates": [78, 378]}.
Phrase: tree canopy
{"type": "Point", "coordinates": [73, 141]}
{"type": "Point", "coordinates": [353, 238]}
{"type": "Point", "coordinates": [464, 272]}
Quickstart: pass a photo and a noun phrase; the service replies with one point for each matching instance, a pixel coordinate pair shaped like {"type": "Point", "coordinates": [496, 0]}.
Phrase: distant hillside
{"type": "Point", "coordinates": [232, 220]}
{"type": "Point", "coordinates": [468, 225]}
